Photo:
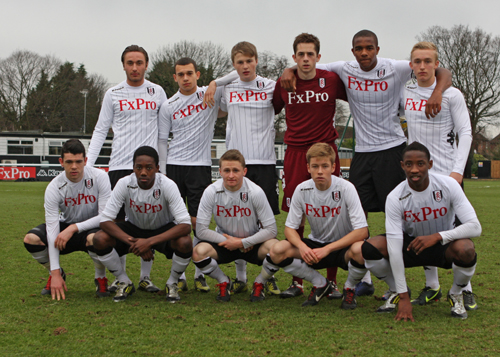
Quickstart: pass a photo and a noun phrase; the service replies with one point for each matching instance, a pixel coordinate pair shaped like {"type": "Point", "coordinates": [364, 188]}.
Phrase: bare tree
{"type": "Point", "coordinates": [19, 74]}
{"type": "Point", "coordinates": [473, 56]}
{"type": "Point", "coordinates": [214, 58]}
{"type": "Point", "coordinates": [271, 65]}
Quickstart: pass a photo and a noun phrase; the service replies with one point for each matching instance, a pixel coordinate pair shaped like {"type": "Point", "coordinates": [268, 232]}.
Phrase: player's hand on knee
{"type": "Point", "coordinates": [308, 255]}
{"type": "Point", "coordinates": [147, 256]}
{"type": "Point", "coordinates": [64, 236]}
{"type": "Point", "coordinates": [320, 253]}
{"type": "Point", "coordinates": [419, 244]}
{"type": "Point", "coordinates": [232, 243]}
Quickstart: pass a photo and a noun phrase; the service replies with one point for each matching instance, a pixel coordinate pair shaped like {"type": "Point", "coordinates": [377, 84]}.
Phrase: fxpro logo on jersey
{"type": "Point", "coordinates": [425, 214]}
{"type": "Point", "coordinates": [367, 85]}
{"type": "Point", "coordinates": [307, 97]}
{"type": "Point", "coordinates": [137, 104]}
{"type": "Point", "coordinates": [190, 110]}
{"type": "Point", "coordinates": [322, 211]}
{"type": "Point", "coordinates": [235, 211]}
{"type": "Point", "coordinates": [145, 207]}
{"type": "Point", "coordinates": [80, 199]}
{"type": "Point", "coordinates": [247, 96]}
{"type": "Point", "coordinates": [415, 105]}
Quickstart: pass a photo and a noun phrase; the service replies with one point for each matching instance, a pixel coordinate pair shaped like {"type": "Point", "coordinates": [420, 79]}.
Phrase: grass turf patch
{"type": "Point", "coordinates": [146, 325]}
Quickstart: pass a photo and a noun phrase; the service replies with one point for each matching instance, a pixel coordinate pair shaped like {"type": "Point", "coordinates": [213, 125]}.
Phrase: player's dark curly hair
{"type": "Point", "coordinates": [148, 151]}
{"type": "Point", "coordinates": [135, 48]}
{"type": "Point", "coordinates": [416, 146]}
{"type": "Point", "coordinates": [73, 146]}
{"type": "Point", "coordinates": [365, 33]}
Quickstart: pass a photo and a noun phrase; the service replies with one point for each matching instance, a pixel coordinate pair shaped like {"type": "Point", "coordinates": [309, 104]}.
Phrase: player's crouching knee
{"type": "Point", "coordinates": [355, 252]}
{"type": "Point", "coordinates": [102, 240]}
{"type": "Point", "coordinates": [369, 252]}
{"type": "Point", "coordinates": [183, 245]}
{"type": "Point", "coordinates": [464, 252]}
{"type": "Point", "coordinates": [200, 251]}
{"type": "Point", "coordinates": [33, 239]}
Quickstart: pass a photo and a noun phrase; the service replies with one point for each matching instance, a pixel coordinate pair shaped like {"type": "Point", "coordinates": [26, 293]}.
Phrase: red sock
{"type": "Point", "coordinates": [297, 280]}
{"type": "Point", "coordinates": [331, 274]}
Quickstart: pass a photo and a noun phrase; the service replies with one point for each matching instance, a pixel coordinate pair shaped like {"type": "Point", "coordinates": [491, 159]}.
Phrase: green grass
{"type": "Point", "coordinates": [146, 325]}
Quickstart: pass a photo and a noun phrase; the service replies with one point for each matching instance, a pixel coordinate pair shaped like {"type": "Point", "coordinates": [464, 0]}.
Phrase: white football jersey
{"type": "Point", "coordinates": [132, 113]}
{"type": "Point", "coordinates": [250, 123]}
{"type": "Point", "coordinates": [147, 209]}
{"type": "Point", "coordinates": [424, 213]}
{"type": "Point", "coordinates": [374, 98]}
{"type": "Point", "coordinates": [235, 213]}
{"type": "Point", "coordinates": [192, 126]}
{"type": "Point", "coordinates": [438, 134]}
{"type": "Point", "coordinates": [79, 203]}
{"type": "Point", "coordinates": [332, 213]}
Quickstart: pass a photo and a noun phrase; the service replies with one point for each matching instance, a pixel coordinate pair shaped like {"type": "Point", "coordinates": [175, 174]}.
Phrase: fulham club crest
{"type": "Point", "coordinates": [200, 95]}
{"type": "Point", "coordinates": [89, 183]}
{"type": "Point", "coordinates": [438, 195]}
{"type": "Point", "coordinates": [381, 73]}
{"type": "Point", "coordinates": [156, 194]}
{"type": "Point", "coordinates": [151, 91]}
{"type": "Point", "coordinates": [322, 83]}
{"type": "Point", "coordinates": [260, 84]}
{"type": "Point", "coordinates": [336, 196]}
{"type": "Point", "coordinates": [244, 196]}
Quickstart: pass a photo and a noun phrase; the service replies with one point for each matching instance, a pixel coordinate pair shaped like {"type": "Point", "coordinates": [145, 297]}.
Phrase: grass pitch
{"type": "Point", "coordinates": [146, 325]}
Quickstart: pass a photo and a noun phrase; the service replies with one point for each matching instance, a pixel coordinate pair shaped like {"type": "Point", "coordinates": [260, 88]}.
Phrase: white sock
{"type": "Point", "coordinates": [381, 268]}
{"type": "Point", "coordinates": [183, 276]}
{"type": "Point", "coordinates": [179, 265]}
{"type": "Point", "coordinates": [354, 276]}
{"type": "Point", "coordinates": [213, 270]}
{"type": "Point", "coordinates": [468, 287]}
{"type": "Point", "coordinates": [113, 262]}
{"type": "Point", "coordinates": [241, 270]}
{"type": "Point", "coordinates": [431, 277]}
{"type": "Point", "coordinates": [123, 260]}
{"type": "Point", "coordinates": [42, 257]}
{"type": "Point", "coordinates": [367, 278]}
{"type": "Point", "coordinates": [461, 277]}
{"type": "Point", "coordinates": [300, 269]}
{"type": "Point", "coordinates": [268, 269]}
{"type": "Point", "coordinates": [146, 268]}
{"type": "Point", "coordinates": [100, 269]}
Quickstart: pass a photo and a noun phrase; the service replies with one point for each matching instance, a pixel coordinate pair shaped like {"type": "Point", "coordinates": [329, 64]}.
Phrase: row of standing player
{"type": "Point", "coordinates": [367, 80]}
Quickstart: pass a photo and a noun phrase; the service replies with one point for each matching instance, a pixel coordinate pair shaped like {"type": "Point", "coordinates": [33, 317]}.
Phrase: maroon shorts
{"type": "Point", "coordinates": [295, 171]}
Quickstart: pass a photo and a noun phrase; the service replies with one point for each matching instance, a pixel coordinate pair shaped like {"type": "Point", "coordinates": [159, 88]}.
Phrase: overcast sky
{"type": "Point", "coordinates": [95, 32]}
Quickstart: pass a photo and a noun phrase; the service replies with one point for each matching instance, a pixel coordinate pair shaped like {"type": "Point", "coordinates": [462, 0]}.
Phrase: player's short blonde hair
{"type": "Point", "coordinates": [232, 155]}
{"type": "Point", "coordinates": [425, 45]}
{"type": "Point", "coordinates": [321, 150]}
{"type": "Point", "coordinates": [245, 48]}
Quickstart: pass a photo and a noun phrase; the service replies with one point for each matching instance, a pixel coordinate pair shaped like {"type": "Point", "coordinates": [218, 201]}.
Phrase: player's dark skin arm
{"type": "Point", "coordinates": [419, 244]}
{"type": "Point", "coordinates": [443, 82]}
{"type": "Point", "coordinates": [140, 246]}
{"type": "Point", "coordinates": [404, 308]}
{"type": "Point", "coordinates": [432, 108]}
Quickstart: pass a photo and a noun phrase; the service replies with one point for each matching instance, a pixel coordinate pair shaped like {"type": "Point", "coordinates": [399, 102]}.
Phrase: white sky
{"type": "Point", "coordinates": [95, 32]}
